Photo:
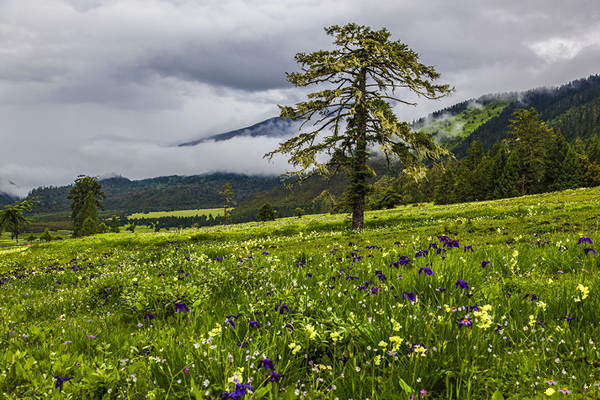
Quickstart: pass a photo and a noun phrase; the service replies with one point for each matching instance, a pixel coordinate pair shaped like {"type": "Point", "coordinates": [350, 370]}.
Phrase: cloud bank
{"type": "Point", "coordinates": [97, 86]}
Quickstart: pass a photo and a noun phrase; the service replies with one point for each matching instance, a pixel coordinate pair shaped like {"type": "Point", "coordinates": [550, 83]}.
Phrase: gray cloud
{"type": "Point", "coordinates": [97, 86]}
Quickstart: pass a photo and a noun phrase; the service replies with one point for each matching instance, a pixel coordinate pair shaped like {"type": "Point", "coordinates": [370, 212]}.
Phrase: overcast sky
{"type": "Point", "coordinates": [107, 86]}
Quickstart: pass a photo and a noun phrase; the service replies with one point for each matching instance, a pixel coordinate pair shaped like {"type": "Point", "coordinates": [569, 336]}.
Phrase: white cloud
{"type": "Point", "coordinates": [565, 48]}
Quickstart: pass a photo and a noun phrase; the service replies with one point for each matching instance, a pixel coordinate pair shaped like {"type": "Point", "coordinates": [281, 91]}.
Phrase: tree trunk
{"type": "Point", "coordinates": [359, 173]}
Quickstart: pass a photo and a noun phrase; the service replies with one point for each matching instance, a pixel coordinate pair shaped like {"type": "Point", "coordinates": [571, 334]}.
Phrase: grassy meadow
{"type": "Point", "coordinates": [488, 300]}
{"type": "Point", "coordinates": [179, 213]}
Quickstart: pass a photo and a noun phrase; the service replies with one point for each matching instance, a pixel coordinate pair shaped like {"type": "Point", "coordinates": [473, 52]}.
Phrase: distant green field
{"type": "Point", "coordinates": [179, 213]}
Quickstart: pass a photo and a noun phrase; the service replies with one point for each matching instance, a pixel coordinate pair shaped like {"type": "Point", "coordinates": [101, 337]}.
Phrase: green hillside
{"type": "Point", "coordinates": [164, 193]}
{"type": "Point", "coordinates": [450, 129]}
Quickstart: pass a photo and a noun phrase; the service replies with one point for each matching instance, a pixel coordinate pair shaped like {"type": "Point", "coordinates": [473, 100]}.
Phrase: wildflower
{"type": "Point", "coordinates": [254, 324]}
{"type": "Point", "coordinates": [91, 336]}
{"type": "Point", "coordinates": [585, 239]}
{"type": "Point", "coordinates": [181, 307]}
{"type": "Point", "coordinates": [484, 318]}
{"type": "Point", "coordinates": [419, 349]}
{"type": "Point", "coordinates": [282, 308]}
{"type": "Point", "coordinates": [240, 390]}
{"type": "Point", "coordinates": [423, 392]}
{"type": "Point", "coordinates": [550, 391]}
{"type": "Point", "coordinates": [588, 250]}
{"type": "Point", "coordinates": [409, 295]}
{"type": "Point", "coordinates": [309, 274]}
{"type": "Point", "coordinates": [532, 295]}
{"type": "Point", "coordinates": [550, 382]}
{"type": "Point", "coordinates": [466, 321]}
{"type": "Point", "coordinates": [59, 381]}
{"type": "Point", "coordinates": [216, 331]}
{"type": "Point", "coordinates": [462, 284]}
{"type": "Point", "coordinates": [312, 334]}
{"type": "Point", "coordinates": [149, 315]}
{"type": "Point", "coordinates": [267, 364]}
{"type": "Point", "coordinates": [295, 348]}
{"type": "Point", "coordinates": [377, 360]}
{"type": "Point", "coordinates": [585, 291]}
{"type": "Point", "coordinates": [468, 247]}
{"type": "Point", "coordinates": [421, 253]}
{"type": "Point", "coordinates": [427, 271]}
{"type": "Point", "coordinates": [564, 391]}
{"type": "Point", "coordinates": [403, 260]}
{"type": "Point", "coordinates": [485, 263]}
{"type": "Point", "coordinates": [335, 336]}
{"type": "Point", "coordinates": [274, 377]}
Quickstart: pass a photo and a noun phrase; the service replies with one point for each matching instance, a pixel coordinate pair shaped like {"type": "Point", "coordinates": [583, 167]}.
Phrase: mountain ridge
{"type": "Point", "coordinates": [275, 127]}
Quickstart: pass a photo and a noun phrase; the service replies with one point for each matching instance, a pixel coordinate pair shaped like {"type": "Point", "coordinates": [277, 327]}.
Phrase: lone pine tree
{"type": "Point", "coordinates": [361, 75]}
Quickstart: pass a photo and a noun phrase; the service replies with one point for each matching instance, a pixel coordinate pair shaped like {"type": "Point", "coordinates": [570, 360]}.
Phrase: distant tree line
{"type": "Point", "coordinates": [178, 222]}
{"type": "Point", "coordinates": [159, 194]}
{"type": "Point", "coordinates": [533, 159]}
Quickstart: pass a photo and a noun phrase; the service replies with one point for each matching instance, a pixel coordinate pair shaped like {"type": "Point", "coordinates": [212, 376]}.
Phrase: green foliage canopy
{"type": "Point", "coordinates": [12, 217]}
{"type": "Point", "coordinates": [86, 195]}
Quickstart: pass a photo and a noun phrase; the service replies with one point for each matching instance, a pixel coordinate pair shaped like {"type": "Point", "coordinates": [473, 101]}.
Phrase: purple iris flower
{"type": "Point", "coordinates": [485, 263]}
{"type": "Point", "coordinates": [274, 377]}
{"type": "Point", "coordinates": [421, 253]}
{"type": "Point", "coordinates": [427, 271]}
{"type": "Point", "coordinates": [532, 296]}
{"type": "Point", "coordinates": [585, 239]}
{"type": "Point", "coordinates": [589, 250]}
{"type": "Point", "coordinates": [409, 295]}
{"type": "Point", "coordinates": [403, 260]}
{"type": "Point", "coordinates": [282, 308]}
{"type": "Point", "coordinates": [59, 382]}
{"type": "Point", "coordinates": [149, 315]}
{"type": "Point", "coordinates": [181, 307]}
{"type": "Point", "coordinates": [240, 390]}
{"type": "Point", "coordinates": [254, 324]}
{"type": "Point", "coordinates": [468, 247]}
{"type": "Point", "coordinates": [267, 364]}
{"type": "Point", "coordinates": [462, 284]}
{"type": "Point", "coordinates": [309, 274]}
{"type": "Point", "coordinates": [230, 319]}
{"type": "Point", "coordinates": [374, 289]}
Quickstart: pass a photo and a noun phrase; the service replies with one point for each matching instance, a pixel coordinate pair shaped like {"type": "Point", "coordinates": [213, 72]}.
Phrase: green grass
{"type": "Point", "coordinates": [179, 213]}
{"type": "Point", "coordinates": [328, 306]}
